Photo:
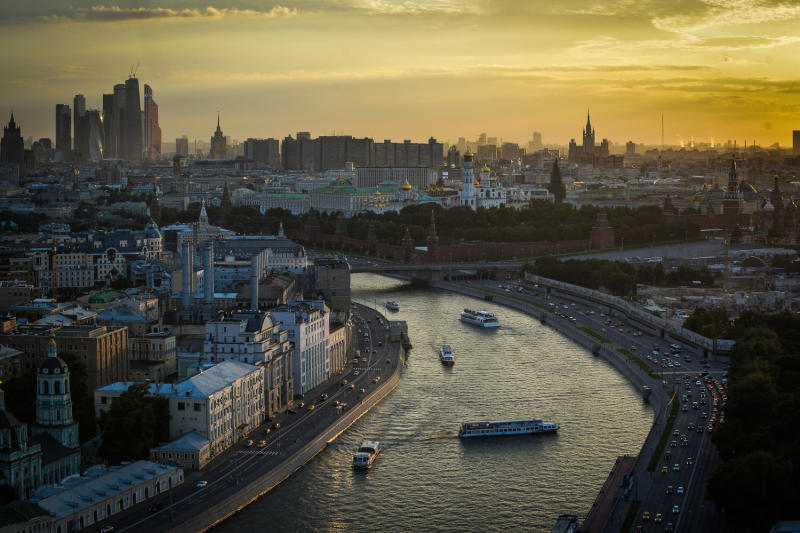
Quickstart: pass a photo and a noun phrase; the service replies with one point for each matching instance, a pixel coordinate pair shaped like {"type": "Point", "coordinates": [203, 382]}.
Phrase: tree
{"type": "Point", "coordinates": [135, 423]}
{"type": "Point", "coordinates": [557, 188]}
{"type": "Point", "coordinates": [82, 399]}
{"type": "Point", "coordinates": [121, 283]}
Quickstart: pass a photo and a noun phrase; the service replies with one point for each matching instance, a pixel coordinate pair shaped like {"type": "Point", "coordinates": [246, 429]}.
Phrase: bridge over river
{"type": "Point", "coordinates": [431, 272]}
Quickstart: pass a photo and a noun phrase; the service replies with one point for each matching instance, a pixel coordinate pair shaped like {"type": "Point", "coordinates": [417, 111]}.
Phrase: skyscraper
{"type": "Point", "coordinates": [12, 147]}
{"type": "Point", "coordinates": [108, 126]}
{"type": "Point", "coordinates": [94, 135]}
{"type": "Point", "coordinates": [133, 120]}
{"type": "Point", "coordinates": [218, 143]}
{"type": "Point", "coordinates": [182, 146]}
{"type": "Point", "coordinates": [80, 137]}
{"type": "Point", "coordinates": [152, 131]}
{"type": "Point", "coordinates": [118, 125]}
{"type": "Point", "coordinates": [796, 142]}
{"type": "Point", "coordinates": [63, 127]}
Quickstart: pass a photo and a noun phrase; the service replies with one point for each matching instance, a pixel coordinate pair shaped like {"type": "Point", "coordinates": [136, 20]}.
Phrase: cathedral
{"type": "Point", "coordinates": [589, 150]}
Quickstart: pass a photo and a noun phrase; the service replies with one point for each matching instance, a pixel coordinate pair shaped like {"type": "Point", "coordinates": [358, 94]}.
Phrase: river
{"type": "Point", "coordinates": [430, 480]}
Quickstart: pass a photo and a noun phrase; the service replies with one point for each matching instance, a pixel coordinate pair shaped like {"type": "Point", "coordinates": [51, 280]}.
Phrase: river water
{"type": "Point", "coordinates": [430, 480]}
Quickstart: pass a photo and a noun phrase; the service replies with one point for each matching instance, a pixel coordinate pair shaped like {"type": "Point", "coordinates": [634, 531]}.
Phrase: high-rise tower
{"type": "Point", "coordinates": [218, 143]}
{"type": "Point", "coordinates": [63, 133]}
{"type": "Point", "coordinates": [12, 147]}
{"type": "Point", "coordinates": [588, 136]}
{"type": "Point", "coordinates": [80, 136]}
{"type": "Point", "coordinates": [133, 120]}
{"type": "Point", "coordinates": [152, 131]}
{"type": "Point", "coordinates": [118, 135]}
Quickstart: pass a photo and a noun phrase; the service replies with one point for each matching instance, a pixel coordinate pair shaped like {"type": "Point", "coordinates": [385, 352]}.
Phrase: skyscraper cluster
{"type": "Point", "coordinates": [122, 130]}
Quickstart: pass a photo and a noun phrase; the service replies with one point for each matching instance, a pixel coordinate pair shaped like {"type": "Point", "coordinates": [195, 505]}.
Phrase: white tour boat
{"type": "Point", "coordinates": [366, 454]}
{"type": "Point", "coordinates": [391, 305]}
{"type": "Point", "coordinates": [484, 319]}
{"type": "Point", "coordinates": [446, 355]}
{"type": "Point", "coordinates": [497, 428]}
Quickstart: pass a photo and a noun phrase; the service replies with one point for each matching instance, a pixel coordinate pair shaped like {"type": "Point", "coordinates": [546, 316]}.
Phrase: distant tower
{"type": "Point", "coordinates": [226, 198]}
{"type": "Point", "coordinates": [152, 131]}
{"type": "Point", "coordinates": [202, 222]}
{"type": "Point", "coordinates": [433, 239]}
{"type": "Point", "coordinates": [80, 137]}
{"type": "Point", "coordinates": [53, 399]}
{"type": "Point", "coordinates": [12, 146]}
{"type": "Point", "coordinates": [588, 136]}
{"type": "Point", "coordinates": [733, 202]}
{"type": "Point", "coordinates": [218, 147]}
{"type": "Point", "coordinates": [63, 133]}
{"type": "Point", "coordinates": [280, 231]}
{"type": "Point", "coordinates": [468, 183]}
{"type": "Point", "coordinates": [133, 120]}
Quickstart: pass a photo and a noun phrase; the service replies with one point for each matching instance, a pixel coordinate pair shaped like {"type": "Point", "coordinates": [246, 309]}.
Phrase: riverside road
{"type": "Point", "coordinates": [285, 436]}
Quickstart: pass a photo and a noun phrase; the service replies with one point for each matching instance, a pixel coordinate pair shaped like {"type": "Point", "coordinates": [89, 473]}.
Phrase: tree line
{"type": "Point", "coordinates": [617, 277]}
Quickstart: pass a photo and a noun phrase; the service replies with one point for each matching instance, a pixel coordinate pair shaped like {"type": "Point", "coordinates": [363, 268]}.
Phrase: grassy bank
{"type": "Point", "coordinates": [636, 359]}
{"type": "Point", "coordinates": [594, 334]}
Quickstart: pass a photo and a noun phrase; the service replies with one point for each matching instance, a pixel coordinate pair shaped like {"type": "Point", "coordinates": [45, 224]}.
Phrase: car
{"type": "Point", "coordinates": [668, 455]}
{"type": "Point", "coordinates": [670, 490]}
{"type": "Point", "coordinates": [323, 397]}
{"type": "Point", "coordinates": [684, 409]}
{"type": "Point", "coordinates": [688, 460]}
{"type": "Point", "coordinates": [344, 382]}
{"type": "Point", "coordinates": [377, 379]}
{"type": "Point", "coordinates": [676, 509]}
{"type": "Point", "coordinates": [676, 467]}
{"type": "Point", "coordinates": [363, 390]}
{"type": "Point", "coordinates": [657, 517]}
{"type": "Point", "coordinates": [646, 515]}
{"type": "Point", "coordinates": [351, 386]}
{"type": "Point", "coordinates": [301, 405]}
{"type": "Point", "coordinates": [664, 469]}
{"type": "Point", "coordinates": [202, 484]}
{"type": "Point", "coordinates": [684, 444]}
{"type": "Point", "coordinates": [669, 527]}
{"type": "Point", "coordinates": [267, 431]}
{"type": "Point", "coordinates": [248, 442]}
{"type": "Point", "coordinates": [673, 444]}
{"type": "Point", "coordinates": [106, 529]}
{"type": "Point", "coordinates": [276, 425]}
{"type": "Point", "coordinates": [355, 372]}
{"type": "Point", "coordinates": [680, 490]}
{"type": "Point", "coordinates": [155, 507]}
{"type": "Point", "coordinates": [337, 403]}
{"type": "Point", "coordinates": [311, 407]}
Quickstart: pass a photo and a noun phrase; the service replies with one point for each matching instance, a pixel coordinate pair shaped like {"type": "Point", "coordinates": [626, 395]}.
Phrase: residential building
{"type": "Point", "coordinates": [255, 338]}
{"type": "Point", "coordinates": [103, 348]}
{"type": "Point", "coordinates": [14, 293]}
{"type": "Point", "coordinates": [308, 326]}
{"type": "Point", "coordinates": [338, 346]}
{"type": "Point", "coordinates": [153, 357]}
{"type": "Point", "coordinates": [182, 146]}
{"type": "Point", "coordinates": [263, 151]}
{"type": "Point", "coordinates": [332, 280]}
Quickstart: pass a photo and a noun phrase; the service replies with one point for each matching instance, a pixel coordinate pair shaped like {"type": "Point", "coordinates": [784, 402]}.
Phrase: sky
{"type": "Point", "coordinates": [412, 69]}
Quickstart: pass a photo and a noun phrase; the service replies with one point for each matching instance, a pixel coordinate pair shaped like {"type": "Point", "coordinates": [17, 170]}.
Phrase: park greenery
{"type": "Point", "coordinates": [617, 277]}
{"type": "Point", "coordinates": [134, 423]}
{"type": "Point", "coordinates": [758, 443]}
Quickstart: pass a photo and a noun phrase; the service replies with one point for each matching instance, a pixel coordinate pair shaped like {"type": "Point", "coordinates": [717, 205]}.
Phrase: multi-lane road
{"type": "Point", "coordinates": [678, 495]}
{"type": "Point", "coordinates": [283, 436]}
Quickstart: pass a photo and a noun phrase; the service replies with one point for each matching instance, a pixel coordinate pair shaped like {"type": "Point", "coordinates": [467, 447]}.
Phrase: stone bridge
{"type": "Point", "coordinates": [432, 272]}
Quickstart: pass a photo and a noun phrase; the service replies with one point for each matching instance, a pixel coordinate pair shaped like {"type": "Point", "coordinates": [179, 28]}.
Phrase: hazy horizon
{"type": "Point", "coordinates": [721, 69]}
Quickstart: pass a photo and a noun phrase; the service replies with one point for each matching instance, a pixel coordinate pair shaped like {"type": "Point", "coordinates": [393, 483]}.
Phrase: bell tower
{"type": "Point", "coordinates": [54, 400]}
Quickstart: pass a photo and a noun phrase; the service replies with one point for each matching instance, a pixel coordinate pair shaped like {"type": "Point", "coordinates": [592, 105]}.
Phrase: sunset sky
{"type": "Point", "coordinates": [721, 69]}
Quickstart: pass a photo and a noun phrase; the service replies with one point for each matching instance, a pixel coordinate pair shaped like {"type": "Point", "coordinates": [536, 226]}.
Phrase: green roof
{"type": "Point", "coordinates": [105, 296]}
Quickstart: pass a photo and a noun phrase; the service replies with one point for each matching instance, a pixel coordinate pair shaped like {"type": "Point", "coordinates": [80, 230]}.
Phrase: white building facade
{"type": "Point", "coordinates": [308, 328]}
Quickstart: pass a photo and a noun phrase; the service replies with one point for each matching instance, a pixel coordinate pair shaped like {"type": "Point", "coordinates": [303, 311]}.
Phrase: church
{"type": "Point", "coordinates": [485, 193]}
{"type": "Point", "coordinates": [52, 451]}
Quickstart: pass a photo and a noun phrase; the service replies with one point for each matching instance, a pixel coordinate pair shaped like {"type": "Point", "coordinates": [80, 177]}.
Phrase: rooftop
{"type": "Point", "coordinates": [190, 441]}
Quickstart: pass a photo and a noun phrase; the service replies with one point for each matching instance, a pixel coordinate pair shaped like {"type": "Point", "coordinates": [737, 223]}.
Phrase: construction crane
{"type": "Point", "coordinates": [134, 70]}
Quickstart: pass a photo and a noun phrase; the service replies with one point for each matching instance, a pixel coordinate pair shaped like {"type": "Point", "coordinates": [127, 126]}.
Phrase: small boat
{"type": "Point", "coordinates": [484, 319]}
{"type": "Point", "coordinates": [366, 454]}
{"type": "Point", "coordinates": [391, 305]}
{"type": "Point", "coordinates": [446, 355]}
{"type": "Point", "coordinates": [527, 426]}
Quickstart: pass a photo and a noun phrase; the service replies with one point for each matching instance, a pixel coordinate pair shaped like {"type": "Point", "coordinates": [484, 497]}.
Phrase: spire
{"type": "Point", "coordinates": [11, 122]}
{"type": "Point", "coordinates": [588, 122]}
{"type": "Point", "coordinates": [217, 120]}
{"type": "Point", "coordinates": [280, 230]}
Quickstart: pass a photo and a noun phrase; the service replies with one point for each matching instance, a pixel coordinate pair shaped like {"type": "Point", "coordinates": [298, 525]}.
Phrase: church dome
{"type": "Point", "coordinates": [151, 230]}
{"type": "Point", "coordinates": [486, 169]}
{"type": "Point", "coordinates": [52, 362]}
{"type": "Point", "coordinates": [468, 156]}
{"type": "Point", "coordinates": [406, 186]}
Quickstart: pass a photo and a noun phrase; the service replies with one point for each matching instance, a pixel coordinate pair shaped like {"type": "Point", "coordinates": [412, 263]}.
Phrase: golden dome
{"type": "Point", "coordinates": [476, 182]}
{"type": "Point", "coordinates": [406, 186]}
{"type": "Point", "coordinates": [377, 192]}
{"type": "Point", "coordinates": [486, 169]}
{"type": "Point", "coordinates": [468, 155]}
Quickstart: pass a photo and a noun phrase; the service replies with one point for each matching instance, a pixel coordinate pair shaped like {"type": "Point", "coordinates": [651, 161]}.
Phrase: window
{"type": "Point", "coordinates": [181, 406]}
{"type": "Point", "coordinates": [196, 406]}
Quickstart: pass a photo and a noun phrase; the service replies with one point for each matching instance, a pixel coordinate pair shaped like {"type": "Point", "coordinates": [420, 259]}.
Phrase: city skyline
{"type": "Point", "coordinates": [720, 69]}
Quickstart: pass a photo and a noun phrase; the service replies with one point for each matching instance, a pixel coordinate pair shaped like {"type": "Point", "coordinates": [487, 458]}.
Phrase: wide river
{"type": "Point", "coordinates": [430, 480]}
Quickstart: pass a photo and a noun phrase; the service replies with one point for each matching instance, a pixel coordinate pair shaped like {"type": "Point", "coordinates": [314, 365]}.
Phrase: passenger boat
{"type": "Point", "coordinates": [366, 454]}
{"type": "Point", "coordinates": [566, 523]}
{"type": "Point", "coordinates": [391, 305]}
{"type": "Point", "coordinates": [446, 355]}
{"type": "Point", "coordinates": [497, 428]}
{"type": "Point", "coordinates": [484, 319]}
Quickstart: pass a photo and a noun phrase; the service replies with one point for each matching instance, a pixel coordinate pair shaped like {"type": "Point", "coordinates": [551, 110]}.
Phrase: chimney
{"type": "Point", "coordinates": [187, 277]}
{"type": "Point", "coordinates": [209, 296]}
{"type": "Point", "coordinates": [255, 266]}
